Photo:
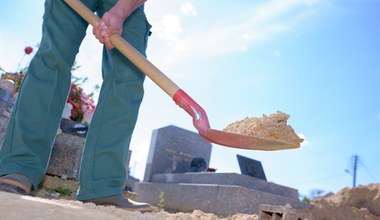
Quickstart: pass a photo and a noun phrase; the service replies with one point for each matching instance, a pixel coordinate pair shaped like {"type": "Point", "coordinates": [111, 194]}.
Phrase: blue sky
{"type": "Point", "coordinates": [317, 60]}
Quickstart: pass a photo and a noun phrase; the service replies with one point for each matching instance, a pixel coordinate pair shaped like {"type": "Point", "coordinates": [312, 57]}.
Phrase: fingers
{"type": "Point", "coordinates": [110, 24]}
{"type": "Point", "coordinates": [108, 43]}
{"type": "Point", "coordinates": [101, 33]}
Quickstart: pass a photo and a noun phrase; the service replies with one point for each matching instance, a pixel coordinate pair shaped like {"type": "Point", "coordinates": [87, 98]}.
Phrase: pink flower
{"type": "Point", "coordinates": [28, 50]}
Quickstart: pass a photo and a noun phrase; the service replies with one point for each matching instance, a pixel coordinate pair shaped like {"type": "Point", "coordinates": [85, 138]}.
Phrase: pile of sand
{"type": "Point", "coordinates": [273, 126]}
{"type": "Point", "coordinates": [360, 203]}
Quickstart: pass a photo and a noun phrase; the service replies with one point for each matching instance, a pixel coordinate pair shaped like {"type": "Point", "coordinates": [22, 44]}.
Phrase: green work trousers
{"type": "Point", "coordinates": [37, 113]}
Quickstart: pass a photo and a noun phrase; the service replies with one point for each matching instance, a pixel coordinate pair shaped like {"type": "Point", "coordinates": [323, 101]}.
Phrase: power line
{"type": "Point", "coordinates": [355, 160]}
{"type": "Point", "coordinates": [369, 173]}
{"type": "Point", "coordinates": [320, 179]}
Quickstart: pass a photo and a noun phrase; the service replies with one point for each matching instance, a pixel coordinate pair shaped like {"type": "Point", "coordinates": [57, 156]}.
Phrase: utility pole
{"type": "Point", "coordinates": [354, 170]}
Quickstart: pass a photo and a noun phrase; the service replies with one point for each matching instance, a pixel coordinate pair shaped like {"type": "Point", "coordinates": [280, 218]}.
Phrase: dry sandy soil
{"type": "Point", "coordinates": [360, 203]}
{"type": "Point", "coordinates": [18, 207]}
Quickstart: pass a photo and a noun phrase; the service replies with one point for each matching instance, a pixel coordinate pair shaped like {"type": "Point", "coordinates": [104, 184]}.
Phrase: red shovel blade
{"type": "Point", "coordinates": [228, 139]}
{"type": "Point", "coordinates": [245, 142]}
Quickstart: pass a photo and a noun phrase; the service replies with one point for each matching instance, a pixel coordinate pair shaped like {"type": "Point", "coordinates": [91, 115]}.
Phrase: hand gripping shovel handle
{"type": "Point", "coordinates": [182, 99]}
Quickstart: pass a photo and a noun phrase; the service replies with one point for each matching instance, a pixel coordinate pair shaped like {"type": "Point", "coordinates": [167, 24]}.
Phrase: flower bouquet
{"type": "Point", "coordinates": [79, 106]}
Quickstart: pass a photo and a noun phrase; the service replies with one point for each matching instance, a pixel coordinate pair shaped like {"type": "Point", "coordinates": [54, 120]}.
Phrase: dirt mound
{"type": "Point", "coordinates": [360, 203]}
{"type": "Point", "coordinates": [273, 126]}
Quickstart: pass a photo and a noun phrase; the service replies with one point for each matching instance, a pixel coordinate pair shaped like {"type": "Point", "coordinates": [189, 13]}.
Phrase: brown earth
{"type": "Point", "coordinates": [273, 127]}
{"type": "Point", "coordinates": [360, 203]}
{"type": "Point", "coordinates": [17, 207]}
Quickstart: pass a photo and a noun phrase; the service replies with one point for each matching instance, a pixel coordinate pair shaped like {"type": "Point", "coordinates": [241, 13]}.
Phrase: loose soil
{"type": "Point", "coordinates": [273, 126]}
{"type": "Point", "coordinates": [360, 203]}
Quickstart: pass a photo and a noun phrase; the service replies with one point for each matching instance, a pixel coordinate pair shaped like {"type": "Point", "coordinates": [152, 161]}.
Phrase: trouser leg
{"type": "Point", "coordinates": [36, 116]}
{"type": "Point", "coordinates": [103, 170]}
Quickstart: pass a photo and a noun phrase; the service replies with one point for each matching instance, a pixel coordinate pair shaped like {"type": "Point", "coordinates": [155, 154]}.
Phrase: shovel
{"type": "Point", "coordinates": [180, 97]}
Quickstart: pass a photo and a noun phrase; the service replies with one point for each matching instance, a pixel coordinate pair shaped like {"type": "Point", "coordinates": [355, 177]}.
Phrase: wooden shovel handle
{"type": "Point", "coordinates": [128, 51]}
{"type": "Point", "coordinates": [200, 119]}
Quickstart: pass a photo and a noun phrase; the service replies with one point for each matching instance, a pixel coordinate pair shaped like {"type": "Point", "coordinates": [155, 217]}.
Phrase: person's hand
{"type": "Point", "coordinates": [111, 23]}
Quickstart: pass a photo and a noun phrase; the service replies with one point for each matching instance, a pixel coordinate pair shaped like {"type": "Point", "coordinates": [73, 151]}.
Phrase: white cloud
{"type": "Point", "coordinates": [254, 26]}
{"type": "Point", "coordinates": [243, 48]}
{"type": "Point", "coordinates": [188, 9]}
{"type": "Point", "coordinates": [169, 27]}
{"type": "Point", "coordinates": [305, 141]}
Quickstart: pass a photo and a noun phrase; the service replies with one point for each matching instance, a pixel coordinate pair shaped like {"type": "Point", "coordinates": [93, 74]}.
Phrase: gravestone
{"type": "Point", "coordinates": [173, 149]}
{"type": "Point", "coordinates": [251, 167]}
{"type": "Point", "coordinates": [177, 168]}
{"type": "Point", "coordinates": [66, 156]}
{"type": "Point", "coordinates": [67, 149]}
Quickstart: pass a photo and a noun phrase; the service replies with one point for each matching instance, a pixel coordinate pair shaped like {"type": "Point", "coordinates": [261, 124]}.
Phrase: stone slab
{"type": "Point", "coordinates": [67, 149]}
{"type": "Point", "coordinates": [172, 150]}
{"type": "Point", "coordinates": [66, 153]}
{"type": "Point", "coordinates": [219, 199]}
{"type": "Point", "coordinates": [3, 127]}
{"type": "Point", "coordinates": [227, 179]}
{"type": "Point", "coordinates": [66, 156]}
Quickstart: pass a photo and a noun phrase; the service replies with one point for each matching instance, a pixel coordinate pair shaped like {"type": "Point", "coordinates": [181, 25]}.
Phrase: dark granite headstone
{"type": "Point", "coordinates": [175, 168]}
{"type": "Point", "coordinates": [251, 167]}
{"type": "Point", "coordinates": [66, 156]}
{"type": "Point", "coordinates": [172, 150]}
{"type": "Point", "coordinates": [67, 150]}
